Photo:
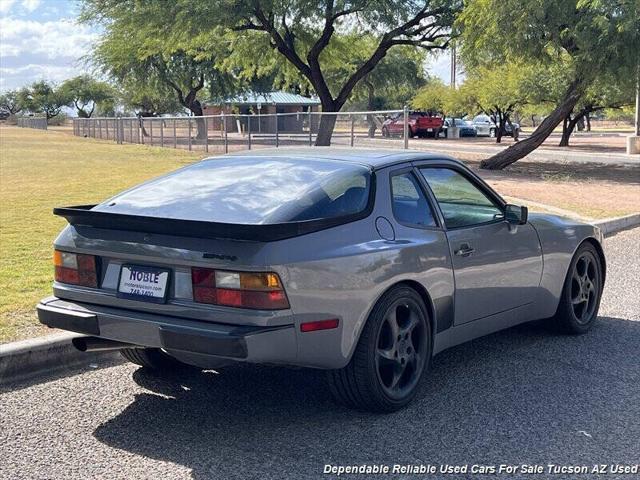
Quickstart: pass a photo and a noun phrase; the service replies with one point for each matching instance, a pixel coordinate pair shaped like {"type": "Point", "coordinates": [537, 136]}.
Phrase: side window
{"type": "Point", "coordinates": [462, 203]}
{"type": "Point", "coordinates": [410, 206]}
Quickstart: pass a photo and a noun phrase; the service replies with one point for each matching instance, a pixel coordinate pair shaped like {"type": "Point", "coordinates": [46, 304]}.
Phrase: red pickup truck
{"type": "Point", "coordinates": [421, 124]}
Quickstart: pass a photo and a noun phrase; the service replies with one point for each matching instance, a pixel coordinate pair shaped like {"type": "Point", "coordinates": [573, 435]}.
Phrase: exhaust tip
{"type": "Point", "coordinates": [80, 343]}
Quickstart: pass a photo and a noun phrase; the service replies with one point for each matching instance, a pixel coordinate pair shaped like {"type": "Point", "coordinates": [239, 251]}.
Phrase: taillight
{"type": "Point", "coordinates": [261, 291]}
{"type": "Point", "coordinates": [75, 268]}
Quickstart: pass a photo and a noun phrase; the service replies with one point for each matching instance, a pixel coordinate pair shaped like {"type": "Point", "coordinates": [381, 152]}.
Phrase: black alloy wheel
{"type": "Point", "coordinates": [392, 354]}
{"type": "Point", "coordinates": [582, 291]}
{"type": "Point", "coordinates": [585, 287]}
{"type": "Point", "coordinates": [401, 348]}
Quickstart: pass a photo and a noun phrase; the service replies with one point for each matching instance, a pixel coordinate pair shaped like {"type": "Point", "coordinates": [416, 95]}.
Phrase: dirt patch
{"type": "Point", "coordinates": [591, 190]}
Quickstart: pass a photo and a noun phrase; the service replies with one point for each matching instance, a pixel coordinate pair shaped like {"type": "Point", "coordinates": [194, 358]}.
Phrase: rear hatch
{"type": "Point", "coordinates": [192, 243]}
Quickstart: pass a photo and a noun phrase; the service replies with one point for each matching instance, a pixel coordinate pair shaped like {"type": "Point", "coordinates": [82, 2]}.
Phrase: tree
{"type": "Point", "coordinates": [589, 37]}
{"type": "Point", "coordinates": [391, 84]}
{"type": "Point", "coordinates": [606, 93]}
{"type": "Point", "coordinates": [483, 92]}
{"type": "Point", "coordinates": [433, 97]}
{"type": "Point", "coordinates": [302, 34]}
{"type": "Point", "coordinates": [43, 97]}
{"type": "Point", "coordinates": [136, 47]}
{"type": "Point", "coordinates": [497, 92]}
{"type": "Point", "coordinates": [151, 100]}
{"type": "Point", "coordinates": [437, 98]}
{"type": "Point", "coordinates": [86, 93]}
{"type": "Point", "coordinates": [624, 114]}
{"type": "Point", "coordinates": [10, 101]}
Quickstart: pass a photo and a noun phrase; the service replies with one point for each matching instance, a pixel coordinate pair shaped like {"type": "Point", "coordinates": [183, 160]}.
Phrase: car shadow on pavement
{"type": "Point", "coordinates": [519, 396]}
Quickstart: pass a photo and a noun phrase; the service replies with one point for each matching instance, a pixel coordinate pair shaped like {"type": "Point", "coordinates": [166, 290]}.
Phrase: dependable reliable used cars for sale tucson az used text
{"type": "Point", "coordinates": [365, 263]}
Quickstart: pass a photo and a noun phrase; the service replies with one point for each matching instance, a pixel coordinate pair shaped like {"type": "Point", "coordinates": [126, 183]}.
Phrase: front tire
{"type": "Point", "coordinates": [391, 357]}
{"type": "Point", "coordinates": [152, 358]}
{"type": "Point", "coordinates": [581, 294]}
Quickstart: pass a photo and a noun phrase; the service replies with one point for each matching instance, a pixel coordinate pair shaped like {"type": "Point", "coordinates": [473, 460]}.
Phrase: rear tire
{"type": "Point", "coordinates": [391, 356]}
{"type": "Point", "coordinates": [581, 294]}
{"type": "Point", "coordinates": [152, 358]}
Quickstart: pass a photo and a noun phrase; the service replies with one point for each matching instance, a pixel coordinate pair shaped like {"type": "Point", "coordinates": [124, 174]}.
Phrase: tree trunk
{"type": "Point", "coordinates": [526, 146]}
{"type": "Point", "coordinates": [325, 130]}
{"type": "Point", "coordinates": [564, 141]}
{"type": "Point", "coordinates": [141, 116]}
{"type": "Point", "coordinates": [201, 128]}
{"type": "Point", "coordinates": [580, 124]}
{"type": "Point", "coordinates": [515, 133]}
{"type": "Point", "coordinates": [568, 126]}
{"type": "Point", "coordinates": [327, 122]}
{"type": "Point", "coordinates": [371, 120]}
{"type": "Point", "coordinates": [499, 127]}
{"type": "Point", "coordinates": [587, 117]}
{"type": "Point", "coordinates": [533, 121]}
{"type": "Point", "coordinates": [436, 134]}
{"type": "Point", "coordinates": [370, 106]}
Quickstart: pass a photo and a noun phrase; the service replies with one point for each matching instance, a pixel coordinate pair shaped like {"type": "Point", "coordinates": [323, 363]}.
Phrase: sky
{"type": "Point", "coordinates": [40, 39]}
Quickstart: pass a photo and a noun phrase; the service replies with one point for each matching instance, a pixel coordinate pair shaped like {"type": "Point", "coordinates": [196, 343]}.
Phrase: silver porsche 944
{"type": "Point", "coordinates": [365, 263]}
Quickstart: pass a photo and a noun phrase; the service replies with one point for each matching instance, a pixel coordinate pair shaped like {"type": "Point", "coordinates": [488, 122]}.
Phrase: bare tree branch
{"type": "Point", "coordinates": [290, 54]}
{"type": "Point", "coordinates": [314, 53]}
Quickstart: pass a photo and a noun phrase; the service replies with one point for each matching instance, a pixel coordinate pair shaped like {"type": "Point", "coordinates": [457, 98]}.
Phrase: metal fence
{"type": "Point", "coordinates": [231, 132]}
{"type": "Point", "coordinates": [33, 122]}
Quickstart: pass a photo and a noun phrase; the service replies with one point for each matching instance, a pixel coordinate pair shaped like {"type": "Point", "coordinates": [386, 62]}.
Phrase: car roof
{"type": "Point", "coordinates": [374, 158]}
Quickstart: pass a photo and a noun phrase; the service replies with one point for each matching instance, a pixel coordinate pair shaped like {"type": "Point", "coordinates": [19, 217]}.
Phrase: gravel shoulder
{"type": "Point", "coordinates": [519, 396]}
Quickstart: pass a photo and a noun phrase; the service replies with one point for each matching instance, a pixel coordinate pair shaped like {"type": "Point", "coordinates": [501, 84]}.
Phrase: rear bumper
{"type": "Point", "coordinates": [183, 336]}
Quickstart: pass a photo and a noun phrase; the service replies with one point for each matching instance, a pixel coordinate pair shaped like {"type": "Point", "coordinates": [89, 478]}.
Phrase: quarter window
{"type": "Point", "coordinates": [462, 203]}
{"type": "Point", "coordinates": [410, 206]}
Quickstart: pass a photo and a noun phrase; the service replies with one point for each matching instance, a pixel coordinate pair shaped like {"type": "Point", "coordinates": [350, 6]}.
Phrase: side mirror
{"type": "Point", "coordinates": [516, 214]}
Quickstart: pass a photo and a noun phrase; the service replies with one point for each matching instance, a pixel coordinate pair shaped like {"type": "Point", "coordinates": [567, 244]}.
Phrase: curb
{"type": "Point", "coordinates": [610, 226]}
{"type": "Point", "coordinates": [51, 354]}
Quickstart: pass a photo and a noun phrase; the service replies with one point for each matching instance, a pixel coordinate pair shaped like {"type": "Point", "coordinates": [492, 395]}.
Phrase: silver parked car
{"type": "Point", "coordinates": [365, 263]}
{"type": "Point", "coordinates": [485, 127]}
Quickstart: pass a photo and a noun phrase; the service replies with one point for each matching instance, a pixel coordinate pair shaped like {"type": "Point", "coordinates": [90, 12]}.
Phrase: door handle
{"type": "Point", "coordinates": [465, 250]}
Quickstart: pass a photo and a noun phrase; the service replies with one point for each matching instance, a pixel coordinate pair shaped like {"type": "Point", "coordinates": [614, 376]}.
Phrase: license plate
{"type": "Point", "coordinates": [429, 129]}
{"type": "Point", "coordinates": [148, 284]}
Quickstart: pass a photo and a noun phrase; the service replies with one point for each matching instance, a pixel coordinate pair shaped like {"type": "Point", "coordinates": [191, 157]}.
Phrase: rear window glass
{"type": "Point", "coordinates": [258, 190]}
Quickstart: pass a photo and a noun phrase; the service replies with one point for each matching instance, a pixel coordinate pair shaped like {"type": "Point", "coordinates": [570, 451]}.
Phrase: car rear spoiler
{"type": "Point", "coordinates": [82, 215]}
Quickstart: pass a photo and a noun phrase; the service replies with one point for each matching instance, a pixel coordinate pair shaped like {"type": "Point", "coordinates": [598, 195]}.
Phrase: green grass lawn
{"type": "Point", "coordinates": [40, 170]}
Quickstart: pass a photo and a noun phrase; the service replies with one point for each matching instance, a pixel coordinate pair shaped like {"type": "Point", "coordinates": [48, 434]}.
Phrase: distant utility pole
{"type": "Point", "coordinates": [638, 102]}
{"type": "Point", "coordinates": [453, 65]}
{"type": "Point", "coordinates": [633, 141]}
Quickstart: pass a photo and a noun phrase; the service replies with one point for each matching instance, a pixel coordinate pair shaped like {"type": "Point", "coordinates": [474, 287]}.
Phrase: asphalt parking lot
{"type": "Point", "coordinates": [520, 396]}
